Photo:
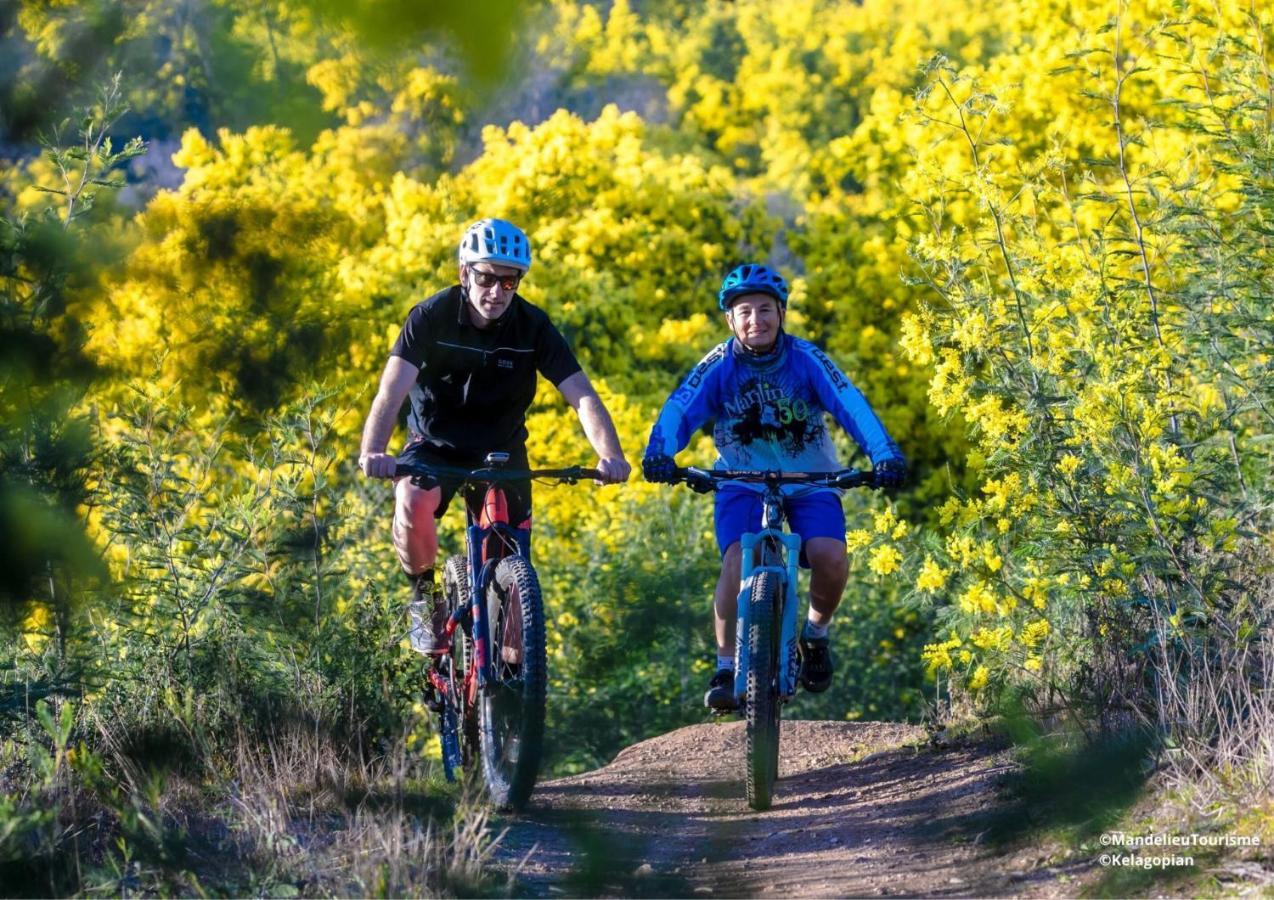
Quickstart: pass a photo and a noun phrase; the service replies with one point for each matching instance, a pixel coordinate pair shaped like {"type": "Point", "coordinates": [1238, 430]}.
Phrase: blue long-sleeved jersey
{"type": "Point", "coordinates": [769, 410]}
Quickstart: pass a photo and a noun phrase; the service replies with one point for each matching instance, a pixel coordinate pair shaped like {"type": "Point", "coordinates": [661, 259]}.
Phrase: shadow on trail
{"type": "Point", "coordinates": [658, 789]}
{"type": "Point", "coordinates": [887, 778]}
{"type": "Point", "coordinates": [596, 855]}
{"type": "Point", "coordinates": [1063, 783]}
{"type": "Point", "coordinates": [701, 834]}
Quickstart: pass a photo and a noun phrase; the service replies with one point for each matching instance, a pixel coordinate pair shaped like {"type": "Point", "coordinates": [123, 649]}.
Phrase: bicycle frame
{"type": "Point", "coordinates": [486, 543]}
{"type": "Point", "coordinates": [784, 567]}
{"type": "Point", "coordinates": [780, 553]}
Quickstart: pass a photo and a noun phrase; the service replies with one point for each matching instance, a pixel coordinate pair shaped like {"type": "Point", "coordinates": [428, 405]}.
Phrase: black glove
{"type": "Point", "coordinates": [890, 473]}
{"type": "Point", "coordinates": [659, 469]}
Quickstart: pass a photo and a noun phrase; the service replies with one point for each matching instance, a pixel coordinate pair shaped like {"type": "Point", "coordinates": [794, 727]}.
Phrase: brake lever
{"type": "Point", "coordinates": [699, 484]}
{"type": "Point", "coordinates": [851, 479]}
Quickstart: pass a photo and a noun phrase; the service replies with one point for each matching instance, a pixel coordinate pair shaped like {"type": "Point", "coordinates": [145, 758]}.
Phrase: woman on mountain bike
{"type": "Point", "coordinates": [768, 391]}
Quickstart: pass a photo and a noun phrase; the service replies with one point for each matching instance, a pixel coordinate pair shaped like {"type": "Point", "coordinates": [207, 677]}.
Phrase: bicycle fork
{"type": "Point", "coordinates": [789, 662]}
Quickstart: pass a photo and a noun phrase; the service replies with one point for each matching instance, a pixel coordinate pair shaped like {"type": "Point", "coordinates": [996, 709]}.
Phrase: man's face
{"type": "Point", "coordinates": [491, 288]}
{"type": "Point", "coordinates": [755, 320]}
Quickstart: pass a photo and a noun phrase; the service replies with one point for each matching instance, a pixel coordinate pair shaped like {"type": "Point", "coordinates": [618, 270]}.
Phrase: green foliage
{"type": "Point", "coordinates": [44, 445]}
{"type": "Point", "coordinates": [225, 63]}
{"type": "Point", "coordinates": [240, 550]}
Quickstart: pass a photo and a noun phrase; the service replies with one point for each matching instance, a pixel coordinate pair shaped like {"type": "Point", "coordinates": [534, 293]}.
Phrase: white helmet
{"type": "Point", "coordinates": [496, 241]}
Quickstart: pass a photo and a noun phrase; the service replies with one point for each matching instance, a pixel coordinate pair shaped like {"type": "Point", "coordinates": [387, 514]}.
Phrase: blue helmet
{"type": "Point", "coordinates": [496, 241]}
{"type": "Point", "coordinates": [752, 279]}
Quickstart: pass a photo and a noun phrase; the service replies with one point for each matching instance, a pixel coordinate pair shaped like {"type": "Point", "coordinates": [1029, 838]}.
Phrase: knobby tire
{"type": "Point", "coordinates": [763, 707]}
{"type": "Point", "coordinates": [512, 707]}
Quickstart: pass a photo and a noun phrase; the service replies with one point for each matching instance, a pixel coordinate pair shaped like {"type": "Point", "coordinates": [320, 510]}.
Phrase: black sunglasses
{"type": "Point", "coordinates": [491, 279]}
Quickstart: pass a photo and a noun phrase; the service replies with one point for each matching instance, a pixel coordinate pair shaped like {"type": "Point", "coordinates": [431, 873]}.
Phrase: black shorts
{"type": "Point", "coordinates": [517, 494]}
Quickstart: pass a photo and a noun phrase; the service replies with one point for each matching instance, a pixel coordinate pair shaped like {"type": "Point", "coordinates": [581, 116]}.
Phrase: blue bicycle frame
{"type": "Point", "coordinates": [780, 553]}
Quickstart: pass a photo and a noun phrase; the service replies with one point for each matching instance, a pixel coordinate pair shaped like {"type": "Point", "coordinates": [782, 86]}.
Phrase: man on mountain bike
{"type": "Point", "coordinates": [768, 392]}
{"type": "Point", "coordinates": [468, 358]}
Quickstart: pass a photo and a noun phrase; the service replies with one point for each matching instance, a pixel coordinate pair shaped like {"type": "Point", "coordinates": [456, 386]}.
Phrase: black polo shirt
{"type": "Point", "coordinates": [475, 385]}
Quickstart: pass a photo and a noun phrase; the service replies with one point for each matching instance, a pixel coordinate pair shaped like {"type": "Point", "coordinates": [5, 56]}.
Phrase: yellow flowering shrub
{"type": "Point", "coordinates": [1087, 328]}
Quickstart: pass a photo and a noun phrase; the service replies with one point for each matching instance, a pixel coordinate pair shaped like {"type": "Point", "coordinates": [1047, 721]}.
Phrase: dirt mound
{"type": "Point", "coordinates": [860, 808]}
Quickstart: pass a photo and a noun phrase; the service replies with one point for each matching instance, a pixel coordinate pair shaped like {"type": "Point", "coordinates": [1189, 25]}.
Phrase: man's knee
{"type": "Point", "coordinates": [416, 506]}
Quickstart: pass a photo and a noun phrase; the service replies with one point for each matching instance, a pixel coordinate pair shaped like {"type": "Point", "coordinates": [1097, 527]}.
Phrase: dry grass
{"type": "Point", "coordinates": [1213, 694]}
{"type": "Point", "coordinates": [319, 818]}
{"type": "Point", "coordinates": [292, 812]}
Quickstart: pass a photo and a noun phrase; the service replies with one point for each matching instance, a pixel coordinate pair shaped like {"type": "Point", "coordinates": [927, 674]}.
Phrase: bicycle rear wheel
{"type": "Point", "coordinates": [763, 706]}
{"type": "Point", "coordinates": [512, 706]}
{"type": "Point", "coordinates": [455, 582]}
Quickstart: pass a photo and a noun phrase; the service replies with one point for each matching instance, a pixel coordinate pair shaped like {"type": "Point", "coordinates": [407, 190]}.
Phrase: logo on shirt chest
{"type": "Point", "coordinates": [769, 413]}
{"type": "Point", "coordinates": [771, 401]}
{"type": "Point", "coordinates": [504, 363]}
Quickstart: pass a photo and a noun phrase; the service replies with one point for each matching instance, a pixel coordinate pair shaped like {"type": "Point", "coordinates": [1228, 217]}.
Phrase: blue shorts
{"type": "Point", "coordinates": [818, 514]}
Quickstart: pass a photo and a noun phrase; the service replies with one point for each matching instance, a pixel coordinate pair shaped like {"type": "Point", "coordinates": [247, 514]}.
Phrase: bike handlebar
{"type": "Point", "coordinates": [493, 474]}
{"type": "Point", "coordinates": [708, 479]}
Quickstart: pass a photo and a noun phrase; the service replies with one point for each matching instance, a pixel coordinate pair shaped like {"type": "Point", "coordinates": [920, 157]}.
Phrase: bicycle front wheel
{"type": "Point", "coordinates": [763, 706]}
{"type": "Point", "coordinates": [512, 705]}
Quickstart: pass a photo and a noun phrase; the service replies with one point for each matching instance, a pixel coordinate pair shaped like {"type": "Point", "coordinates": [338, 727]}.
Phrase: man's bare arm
{"type": "Point", "coordinates": [395, 383]}
{"type": "Point", "coordinates": [598, 427]}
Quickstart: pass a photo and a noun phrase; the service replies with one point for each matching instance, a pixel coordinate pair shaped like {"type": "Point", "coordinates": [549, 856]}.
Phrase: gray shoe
{"type": "Point", "coordinates": [428, 613]}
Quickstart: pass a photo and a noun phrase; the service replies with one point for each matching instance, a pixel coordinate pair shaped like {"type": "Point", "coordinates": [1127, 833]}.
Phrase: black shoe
{"type": "Point", "coordinates": [428, 614]}
{"type": "Point", "coordinates": [816, 664]}
{"type": "Point", "coordinates": [720, 696]}
{"type": "Point", "coordinates": [433, 702]}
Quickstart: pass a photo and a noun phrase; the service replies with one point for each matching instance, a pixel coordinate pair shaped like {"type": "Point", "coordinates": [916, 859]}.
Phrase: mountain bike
{"type": "Point", "coordinates": [490, 685]}
{"type": "Point", "coordinates": [766, 662]}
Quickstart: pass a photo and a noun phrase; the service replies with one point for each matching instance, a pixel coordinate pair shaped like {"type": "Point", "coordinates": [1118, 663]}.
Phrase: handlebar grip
{"type": "Point", "coordinates": [574, 473]}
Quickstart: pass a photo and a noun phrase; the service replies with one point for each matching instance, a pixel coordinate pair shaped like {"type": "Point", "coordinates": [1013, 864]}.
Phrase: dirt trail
{"type": "Point", "coordinates": [860, 809]}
